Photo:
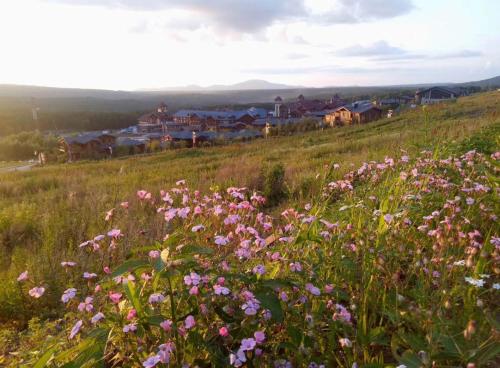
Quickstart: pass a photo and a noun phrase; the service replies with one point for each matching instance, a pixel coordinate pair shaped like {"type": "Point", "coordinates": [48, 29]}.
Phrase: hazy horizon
{"type": "Point", "coordinates": [135, 45]}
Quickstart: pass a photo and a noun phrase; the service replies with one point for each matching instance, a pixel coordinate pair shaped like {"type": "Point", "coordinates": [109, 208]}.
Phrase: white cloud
{"type": "Point", "coordinates": [378, 48]}
{"type": "Point", "coordinates": [253, 15]}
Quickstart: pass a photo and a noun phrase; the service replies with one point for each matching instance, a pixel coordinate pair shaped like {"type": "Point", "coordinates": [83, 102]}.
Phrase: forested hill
{"type": "Point", "coordinates": [90, 109]}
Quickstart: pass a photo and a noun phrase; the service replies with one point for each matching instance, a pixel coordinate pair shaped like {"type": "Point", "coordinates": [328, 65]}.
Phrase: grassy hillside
{"type": "Point", "coordinates": [46, 213]}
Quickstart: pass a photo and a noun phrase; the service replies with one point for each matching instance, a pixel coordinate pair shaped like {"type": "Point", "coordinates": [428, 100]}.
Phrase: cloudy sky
{"type": "Point", "coordinates": [133, 44]}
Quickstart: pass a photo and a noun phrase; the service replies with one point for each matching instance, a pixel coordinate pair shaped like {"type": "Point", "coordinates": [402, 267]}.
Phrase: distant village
{"type": "Point", "coordinates": [163, 129]}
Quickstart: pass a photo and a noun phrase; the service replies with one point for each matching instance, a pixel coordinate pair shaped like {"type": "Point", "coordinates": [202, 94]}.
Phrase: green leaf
{"type": "Point", "coordinates": [195, 249]}
{"type": "Point", "coordinates": [295, 335]}
{"type": "Point", "coordinates": [131, 293]}
{"type": "Point", "coordinates": [42, 362]}
{"type": "Point", "coordinates": [129, 266]}
{"type": "Point", "coordinates": [411, 360]}
{"type": "Point", "coordinates": [275, 283]}
{"type": "Point", "coordinates": [155, 320]}
{"type": "Point", "coordinates": [377, 336]}
{"type": "Point", "coordinates": [88, 353]}
{"type": "Point", "coordinates": [487, 353]}
{"type": "Point", "coordinates": [270, 301]}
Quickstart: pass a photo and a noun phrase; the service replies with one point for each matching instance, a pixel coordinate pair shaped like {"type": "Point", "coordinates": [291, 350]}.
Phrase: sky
{"type": "Point", "coordinates": [141, 44]}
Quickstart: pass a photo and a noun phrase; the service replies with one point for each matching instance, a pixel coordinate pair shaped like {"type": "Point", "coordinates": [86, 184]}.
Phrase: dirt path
{"type": "Point", "coordinates": [24, 166]}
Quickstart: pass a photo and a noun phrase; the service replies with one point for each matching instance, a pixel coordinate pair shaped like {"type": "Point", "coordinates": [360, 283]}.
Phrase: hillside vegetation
{"type": "Point", "coordinates": [393, 261]}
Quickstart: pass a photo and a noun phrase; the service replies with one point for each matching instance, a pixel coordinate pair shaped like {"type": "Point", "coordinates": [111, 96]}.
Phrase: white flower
{"type": "Point", "coordinates": [475, 282]}
{"type": "Point", "coordinates": [345, 342]}
{"type": "Point", "coordinates": [496, 286]}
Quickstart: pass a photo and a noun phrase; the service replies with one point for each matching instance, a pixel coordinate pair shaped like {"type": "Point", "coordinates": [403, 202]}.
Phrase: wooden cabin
{"type": "Point", "coordinates": [359, 112]}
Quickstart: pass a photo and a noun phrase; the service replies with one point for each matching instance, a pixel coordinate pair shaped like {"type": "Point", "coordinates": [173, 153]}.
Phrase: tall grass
{"type": "Point", "coordinates": [47, 212]}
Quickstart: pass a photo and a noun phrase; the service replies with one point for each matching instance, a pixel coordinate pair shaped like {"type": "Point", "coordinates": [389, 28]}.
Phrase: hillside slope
{"type": "Point", "coordinates": [394, 261]}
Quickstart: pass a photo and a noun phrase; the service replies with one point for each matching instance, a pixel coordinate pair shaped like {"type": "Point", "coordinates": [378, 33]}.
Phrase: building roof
{"type": "Point", "coordinates": [85, 138]}
{"type": "Point", "coordinates": [153, 116]}
{"type": "Point", "coordinates": [359, 107]}
{"type": "Point", "coordinates": [215, 114]}
{"type": "Point", "coordinates": [129, 142]}
{"type": "Point", "coordinates": [438, 88]}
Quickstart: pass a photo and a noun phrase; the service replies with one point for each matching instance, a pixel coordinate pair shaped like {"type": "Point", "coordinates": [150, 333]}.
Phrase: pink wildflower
{"type": "Point", "coordinates": [259, 270]}
{"type": "Point", "coordinates": [345, 342]}
{"type": "Point", "coordinates": [151, 361]}
{"type": "Point", "coordinates": [68, 295]}
{"type": "Point", "coordinates": [115, 233]}
{"type": "Point", "coordinates": [223, 331]}
{"type": "Point", "coordinates": [75, 329]}
{"type": "Point", "coordinates": [197, 228]}
{"type": "Point", "coordinates": [132, 327]}
{"type": "Point", "coordinates": [131, 314]}
{"type": "Point", "coordinates": [68, 264]}
{"type": "Point", "coordinates": [221, 240]}
{"type": "Point", "coordinates": [248, 344]}
{"type": "Point", "coordinates": [313, 289]}
{"type": "Point", "coordinates": [88, 275]}
{"type": "Point", "coordinates": [260, 337]}
{"type": "Point", "coordinates": [166, 325]}
{"type": "Point", "coordinates": [192, 279]}
{"type": "Point", "coordinates": [189, 322]}
{"type": "Point", "coordinates": [115, 297]}
{"type": "Point", "coordinates": [23, 276]}
{"type": "Point", "coordinates": [95, 319]}
{"type": "Point", "coordinates": [86, 305]}
{"type": "Point", "coordinates": [156, 298]}
{"type": "Point", "coordinates": [154, 254]}
{"type": "Point", "coordinates": [36, 292]}
{"type": "Point", "coordinates": [221, 290]}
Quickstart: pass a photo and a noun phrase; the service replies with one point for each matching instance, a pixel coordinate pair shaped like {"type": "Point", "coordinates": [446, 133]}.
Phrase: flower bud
{"type": "Point", "coordinates": [470, 330]}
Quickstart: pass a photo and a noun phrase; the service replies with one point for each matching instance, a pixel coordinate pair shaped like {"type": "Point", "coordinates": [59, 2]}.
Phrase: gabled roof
{"type": "Point", "coordinates": [85, 138]}
{"type": "Point", "coordinates": [129, 142]}
{"type": "Point", "coordinates": [230, 114]}
{"type": "Point", "coordinates": [154, 116]}
{"type": "Point", "coordinates": [438, 88]}
{"type": "Point", "coordinates": [358, 107]}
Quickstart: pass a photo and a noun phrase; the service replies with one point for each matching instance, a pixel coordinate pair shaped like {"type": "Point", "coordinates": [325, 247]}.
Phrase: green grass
{"type": "Point", "coordinates": [409, 303]}
{"type": "Point", "coordinates": [46, 212]}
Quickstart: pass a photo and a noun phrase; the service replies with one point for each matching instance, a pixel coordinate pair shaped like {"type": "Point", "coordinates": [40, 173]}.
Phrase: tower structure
{"type": "Point", "coordinates": [163, 108]}
{"type": "Point", "coordinates": [278, 102]}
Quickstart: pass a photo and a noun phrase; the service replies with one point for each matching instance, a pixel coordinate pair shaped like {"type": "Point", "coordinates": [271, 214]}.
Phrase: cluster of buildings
{"type": "Point", "coordinates": [161, 126]}
{"type": "Point", "coordinates": [198, 120]}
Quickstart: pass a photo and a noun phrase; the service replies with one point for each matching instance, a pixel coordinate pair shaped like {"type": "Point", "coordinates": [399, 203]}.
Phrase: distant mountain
{"type": "Point", "coordinates": [485, 83]}
{"type": "Point", "coordinates": [253, 84]}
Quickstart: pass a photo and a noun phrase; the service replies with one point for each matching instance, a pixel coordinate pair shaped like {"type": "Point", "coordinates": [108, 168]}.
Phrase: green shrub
{"type": "Point", "coordinates": [274, 184]}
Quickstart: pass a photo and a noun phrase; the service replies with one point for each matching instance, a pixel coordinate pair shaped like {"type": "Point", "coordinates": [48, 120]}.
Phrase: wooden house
{"type": "Point", "coordinates": [302, 106]}
{"type": "Point", "coordinates": [435, 95]}
{"type": "Point", "coordinates": [359, 112]}
{"type": "Point", "coordinates": [88, 145]}
{"type": "Point", "coordinates": [154, 121]}
{"type": "Point", "coordinates": [213, 119]}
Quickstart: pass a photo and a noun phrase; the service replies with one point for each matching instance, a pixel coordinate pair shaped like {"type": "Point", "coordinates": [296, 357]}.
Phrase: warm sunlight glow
{"type": "Point", "coordinates": [127, 44]}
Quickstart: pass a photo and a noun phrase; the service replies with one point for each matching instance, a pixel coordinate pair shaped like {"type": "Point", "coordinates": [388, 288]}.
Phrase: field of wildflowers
{"type": "Point", "coordinates": [403, 271]}
{"type": "Point", "coordinates": [392, 261]}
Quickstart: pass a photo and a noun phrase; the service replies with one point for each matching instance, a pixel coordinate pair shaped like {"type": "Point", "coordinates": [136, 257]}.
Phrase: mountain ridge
{"type": "Point", "coordinates": [250, 84]}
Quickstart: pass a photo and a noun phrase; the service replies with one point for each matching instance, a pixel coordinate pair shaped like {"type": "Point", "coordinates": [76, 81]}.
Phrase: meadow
{"type": "Point", "coordinates": [361, 272]}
